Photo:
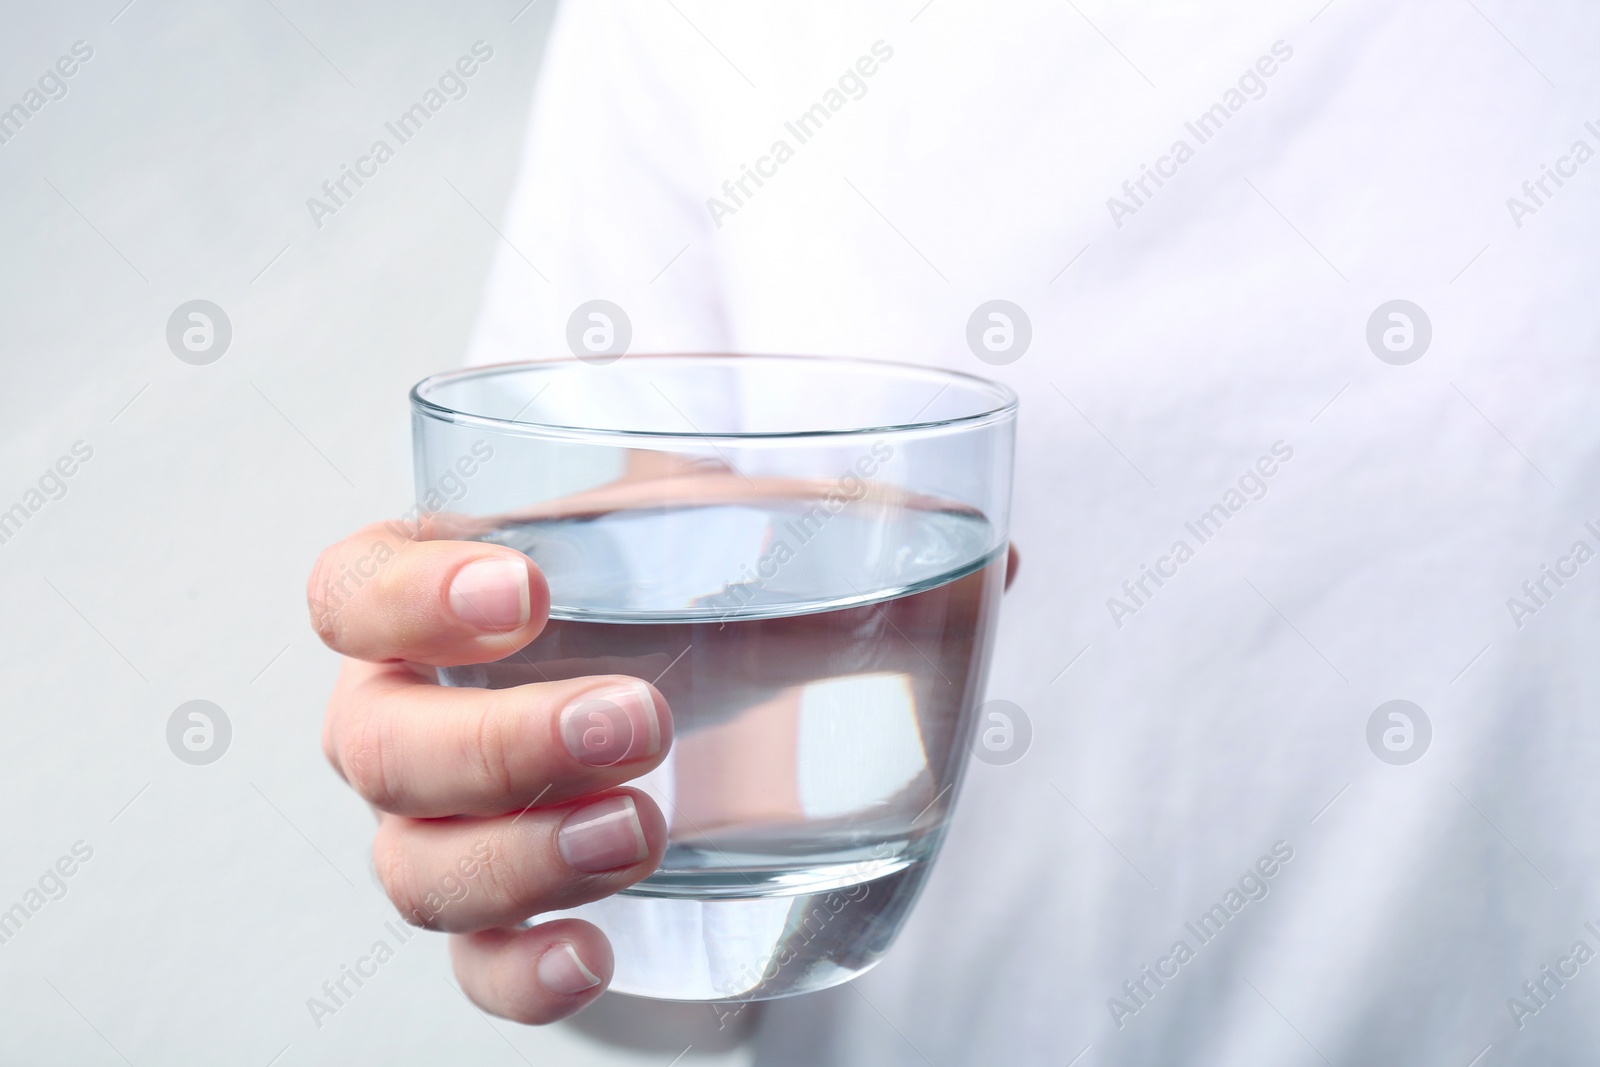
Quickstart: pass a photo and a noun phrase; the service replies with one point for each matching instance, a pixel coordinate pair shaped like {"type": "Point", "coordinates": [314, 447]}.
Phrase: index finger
{"type": "Point", "coordinates": [379, 595]}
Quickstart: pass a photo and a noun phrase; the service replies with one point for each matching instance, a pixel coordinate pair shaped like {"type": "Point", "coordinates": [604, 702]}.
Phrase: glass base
{"type": "Point", "coordinates": [738, 949]}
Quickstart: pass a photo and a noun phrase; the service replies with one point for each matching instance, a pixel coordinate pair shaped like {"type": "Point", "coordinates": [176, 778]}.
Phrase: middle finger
{"type": "Point", "coordinates": [410, 747]}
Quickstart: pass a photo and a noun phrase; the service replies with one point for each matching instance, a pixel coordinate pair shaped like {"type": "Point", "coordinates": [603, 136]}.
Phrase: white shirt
{"type": "Point", "coordinates": [1182, 334]}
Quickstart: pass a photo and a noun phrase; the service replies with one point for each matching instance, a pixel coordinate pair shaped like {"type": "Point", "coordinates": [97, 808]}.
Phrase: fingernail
{"type": "Point", "coordinates": [491, 594]}
{"type": "Point", "coordinates": [612, 725]}
{"type": "Point", "coordinates": [603, 836]}
{"type": "Point", "coordinates": [561, 970]}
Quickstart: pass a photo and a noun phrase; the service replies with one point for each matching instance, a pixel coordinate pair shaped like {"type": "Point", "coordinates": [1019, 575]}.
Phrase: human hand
{"type": "Point", "coordinates": [492, 805]}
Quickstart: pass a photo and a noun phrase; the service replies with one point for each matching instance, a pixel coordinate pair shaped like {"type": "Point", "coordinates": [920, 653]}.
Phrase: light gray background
{"type": "Point", "coordinates": [219, 898]}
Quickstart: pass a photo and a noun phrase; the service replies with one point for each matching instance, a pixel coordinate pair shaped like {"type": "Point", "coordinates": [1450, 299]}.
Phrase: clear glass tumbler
{"type": "Point", "coordinates": [806, 557]}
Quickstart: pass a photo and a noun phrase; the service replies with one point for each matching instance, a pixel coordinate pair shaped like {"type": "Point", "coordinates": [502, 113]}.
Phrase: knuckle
{"type": "Point", "coordinates": [365, 755]}
{"type": "Point", "coordinates": [397, 874]}
{"type": "Point", "coordinates": [487, 751]}
{"type": "Point", "coordinates": [355, 573]}
{"type": "Point", "coordinates": [329, 751]}
{"type": "Point", "coordinates": [507, 876]}
{"type": "Point", "coordinates": [320, 600]}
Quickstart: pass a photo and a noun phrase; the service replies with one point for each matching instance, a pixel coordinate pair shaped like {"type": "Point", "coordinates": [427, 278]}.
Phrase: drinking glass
{"type": "Point", "coordinates": [805, 556]}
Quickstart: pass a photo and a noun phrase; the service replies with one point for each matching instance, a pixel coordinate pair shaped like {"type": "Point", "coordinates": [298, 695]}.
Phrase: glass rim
{"type": "Point", "coordinates": [1004, 404]}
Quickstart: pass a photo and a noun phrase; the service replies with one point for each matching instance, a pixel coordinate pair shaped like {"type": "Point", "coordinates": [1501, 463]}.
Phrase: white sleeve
{"type": "Point", "coordinates": [609, 202]}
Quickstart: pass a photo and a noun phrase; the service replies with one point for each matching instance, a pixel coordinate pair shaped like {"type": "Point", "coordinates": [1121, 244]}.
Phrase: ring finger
{"type": "Point", "coordinates": [472, 874]}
